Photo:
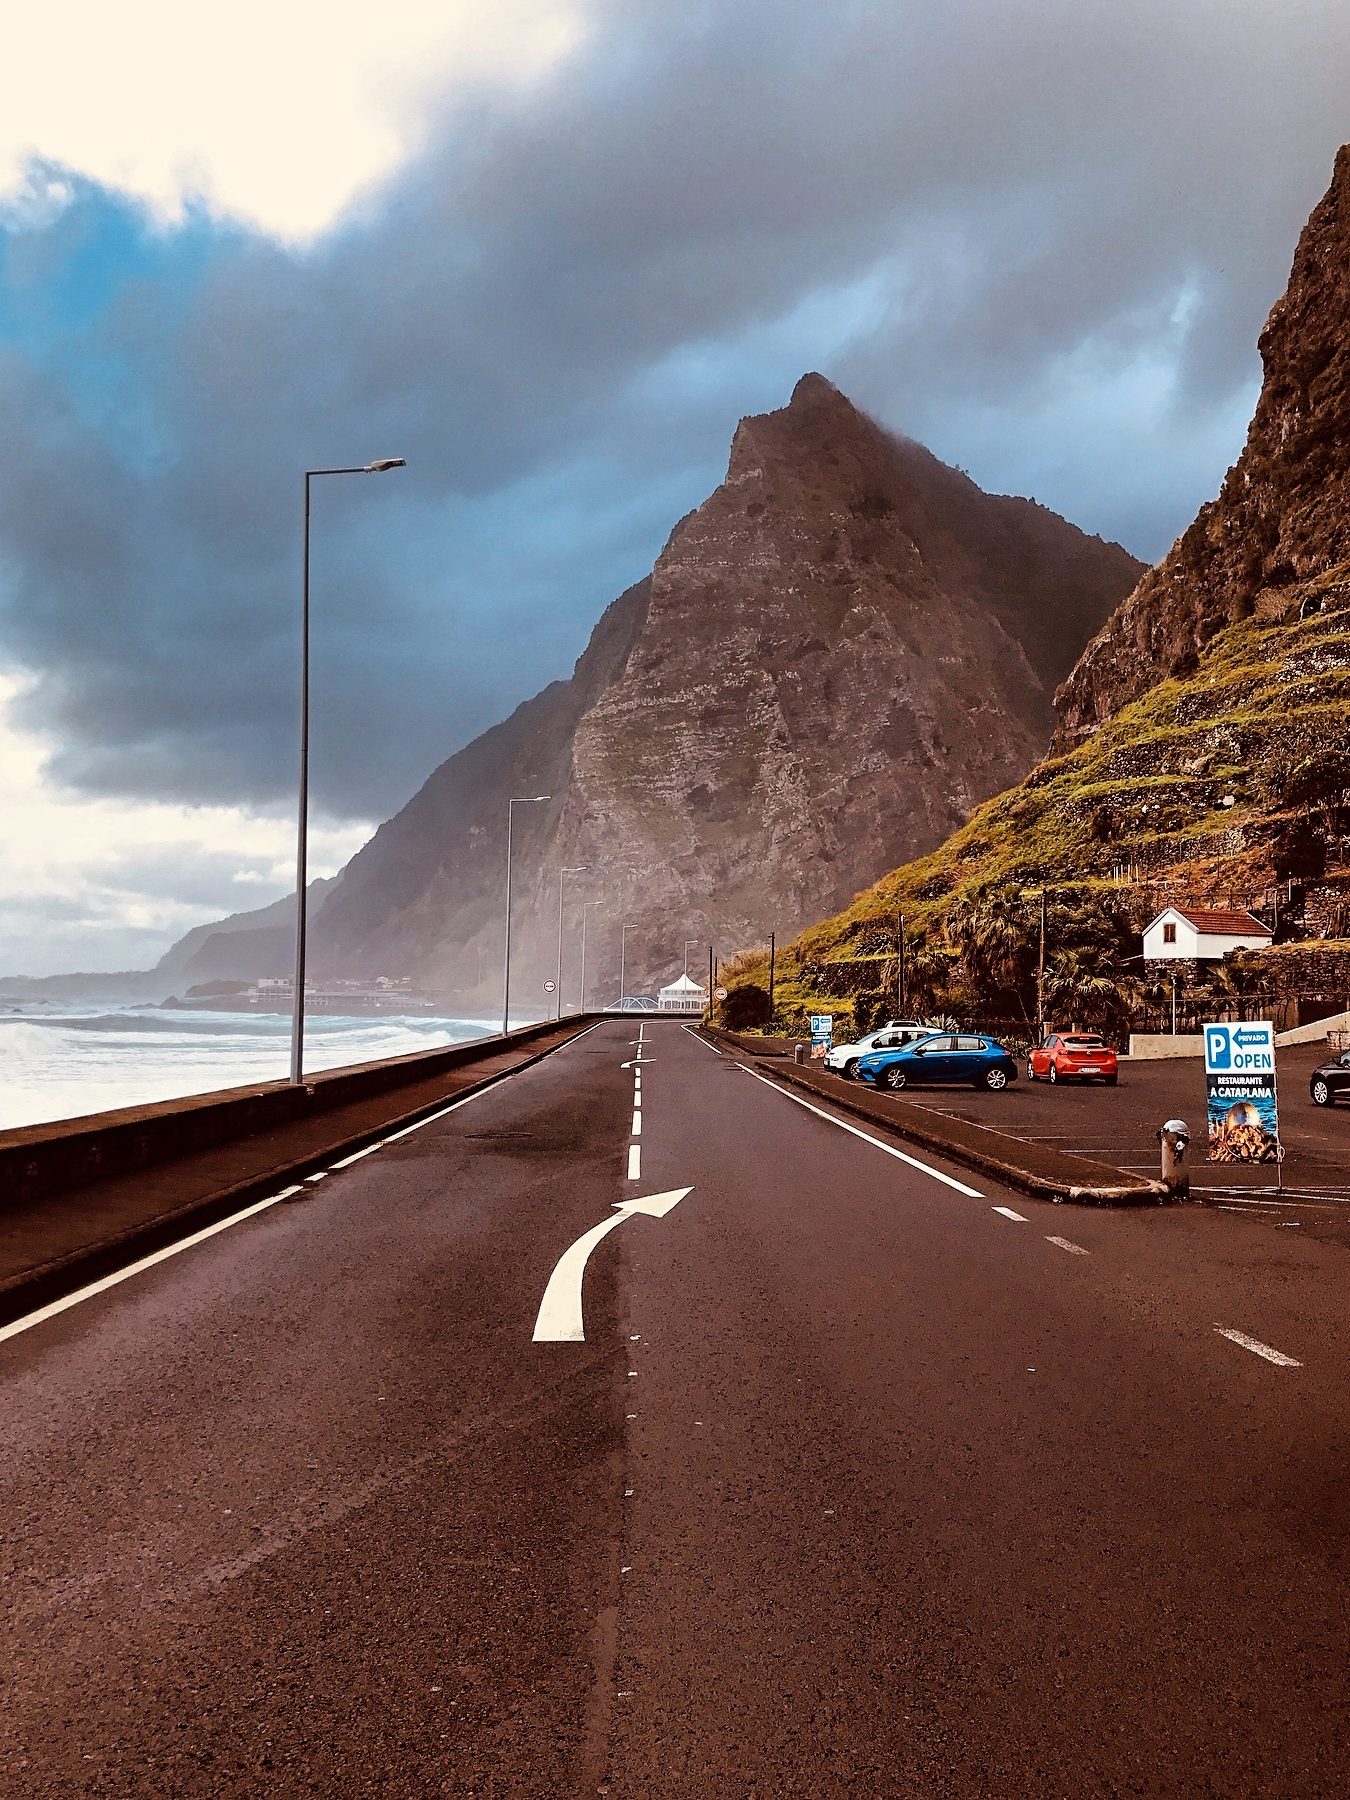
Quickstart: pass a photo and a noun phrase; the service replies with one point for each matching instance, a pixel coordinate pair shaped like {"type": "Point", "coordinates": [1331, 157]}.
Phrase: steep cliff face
{"type": "Point", "coordinates": [1283, 515]}
{"type": "Point", "coordinates": [841, 652]}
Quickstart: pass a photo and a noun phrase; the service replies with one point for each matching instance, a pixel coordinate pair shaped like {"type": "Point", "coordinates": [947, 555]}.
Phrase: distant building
{"type": "Point", "coordinates": [1202, 934]}
{"type": "Point", "coordinates": [683, 996]}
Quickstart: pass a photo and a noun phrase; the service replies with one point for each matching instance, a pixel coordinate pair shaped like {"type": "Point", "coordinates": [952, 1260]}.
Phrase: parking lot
{"type": "Point", "coordinates": [1117, 1125]}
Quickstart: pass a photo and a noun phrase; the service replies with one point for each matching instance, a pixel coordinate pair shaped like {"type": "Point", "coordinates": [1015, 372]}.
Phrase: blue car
{"type": "Point", "coordinates": [944, 1056]}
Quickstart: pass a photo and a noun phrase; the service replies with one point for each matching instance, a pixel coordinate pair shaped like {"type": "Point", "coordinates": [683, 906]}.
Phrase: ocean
{"type": "Point", "coordinates": [63, 1062]}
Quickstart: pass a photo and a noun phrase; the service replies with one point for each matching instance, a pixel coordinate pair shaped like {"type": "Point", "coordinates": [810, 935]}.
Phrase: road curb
{"type": "Point", "coordinates": [33, 1288]}
{"type": "Point", "coordinates": [978, 1147]}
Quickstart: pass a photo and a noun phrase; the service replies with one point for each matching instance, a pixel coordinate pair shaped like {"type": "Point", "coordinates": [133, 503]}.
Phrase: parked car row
{"type": "Point", "coordinates": [904, 1053]}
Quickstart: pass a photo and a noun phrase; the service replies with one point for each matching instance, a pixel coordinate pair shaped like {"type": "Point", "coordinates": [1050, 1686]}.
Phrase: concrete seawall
{"type": "Point", "coordinates": [41, 1160]}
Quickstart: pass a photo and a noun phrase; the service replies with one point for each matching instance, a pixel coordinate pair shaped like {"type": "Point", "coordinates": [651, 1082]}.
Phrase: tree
{"type": "Point", "coordinates": [1082, 986]}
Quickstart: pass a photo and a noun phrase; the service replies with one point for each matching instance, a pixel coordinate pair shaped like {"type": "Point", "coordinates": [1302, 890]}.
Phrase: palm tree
{"type": "Point", "coordinates": [1079, 984]}
{"type": "Point", "coordinates": [991, 929]}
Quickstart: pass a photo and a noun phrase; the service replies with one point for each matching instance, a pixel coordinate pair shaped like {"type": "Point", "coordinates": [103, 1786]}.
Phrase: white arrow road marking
{"type": "Point", "coordinates": [560, 1320]}
{"type": "Point", "coordinates": [638, 1062]}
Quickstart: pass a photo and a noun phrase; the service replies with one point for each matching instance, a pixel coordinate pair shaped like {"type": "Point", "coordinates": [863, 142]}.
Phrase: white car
{"type": "Point", "coordinates": [894, 1035]}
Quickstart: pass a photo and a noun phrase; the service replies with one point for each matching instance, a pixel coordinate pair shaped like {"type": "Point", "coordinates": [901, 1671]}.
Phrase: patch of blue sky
{"type": "Point", "coordinates": [68, 271]}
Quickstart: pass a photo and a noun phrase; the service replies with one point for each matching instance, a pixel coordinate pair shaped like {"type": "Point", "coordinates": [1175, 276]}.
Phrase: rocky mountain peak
{"type": "Point", "coordinates": [1283, 515]}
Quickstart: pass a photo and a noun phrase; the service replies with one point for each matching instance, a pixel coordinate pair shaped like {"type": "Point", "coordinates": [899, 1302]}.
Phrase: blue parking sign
{"type": "Point", "coordinates": [1240, 1095]}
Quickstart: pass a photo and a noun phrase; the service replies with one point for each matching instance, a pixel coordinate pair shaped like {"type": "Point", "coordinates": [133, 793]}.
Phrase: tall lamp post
{"type": "Point", "coordinates": [302, 830]}
{"type": "Point", "coordinates": [586, 906]}
{"type": "Point", "coordinates": [562, 879]}
{"type": "Point", "coordinates": [687, 943]}
{"type": "Point", "coordinates": [623, 958]}
{"type": "Point", "coordinates": [511, 805]}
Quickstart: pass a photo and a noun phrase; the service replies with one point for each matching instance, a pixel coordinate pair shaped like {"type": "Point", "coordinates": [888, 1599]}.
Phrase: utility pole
{"type": "Point", "coordinates": [511, 805]}
{"type": "Point", "coordinates": [900, 960]}
{"type": "Point", "coordinates": [710, 980]}
{"type": "Point", "coordinates": [562, 879]}
{"type": "Point", "coordinates": [1040, 978]}
{"type": "Point", "coordinates": [623, 958]}
{"type": "Point", "coordinates": [586, 906]}
{"type": "Point", "coordinates": [302, 814]}
{"type": "Point", "coordinates": [773, 951]}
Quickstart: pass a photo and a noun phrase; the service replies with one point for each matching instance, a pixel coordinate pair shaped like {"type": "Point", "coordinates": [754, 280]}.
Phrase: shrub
{"type": "Point", "coordinates": [746, 1008]}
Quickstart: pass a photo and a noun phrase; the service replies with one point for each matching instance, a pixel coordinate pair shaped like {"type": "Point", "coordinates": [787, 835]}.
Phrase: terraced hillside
{"type": "Point", "coordinates": [1231, 785]}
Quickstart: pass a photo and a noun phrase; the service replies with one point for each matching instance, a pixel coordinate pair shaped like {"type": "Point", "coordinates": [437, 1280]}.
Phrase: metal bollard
{"type": "Point", "coordinates": [797, 1053]}
{"type": "Point", "coordinates": [1174, 1137]}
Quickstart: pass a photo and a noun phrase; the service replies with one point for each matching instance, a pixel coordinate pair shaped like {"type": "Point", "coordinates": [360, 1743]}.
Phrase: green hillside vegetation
{"type": "Point", "coordinates": [1214, 787]}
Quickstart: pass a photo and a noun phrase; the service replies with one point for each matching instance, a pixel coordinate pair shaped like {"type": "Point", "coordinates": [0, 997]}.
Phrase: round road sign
{"type": "Point", "coordinates": [550, 987]}
{"type": "Point", "coordinates": [721, 993]}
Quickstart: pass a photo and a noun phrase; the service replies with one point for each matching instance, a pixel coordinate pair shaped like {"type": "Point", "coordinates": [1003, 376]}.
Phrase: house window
{"type": "Point", "coordinates": [1169, 934]}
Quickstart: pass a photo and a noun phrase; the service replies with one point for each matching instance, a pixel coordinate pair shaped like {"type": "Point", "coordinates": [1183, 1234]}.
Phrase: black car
{"type": "Point", "coordinates": [1331, 1080]}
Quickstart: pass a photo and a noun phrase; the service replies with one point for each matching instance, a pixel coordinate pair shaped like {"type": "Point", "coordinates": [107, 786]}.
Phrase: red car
{"type": "Point", "coordinates": [1073, 1056]}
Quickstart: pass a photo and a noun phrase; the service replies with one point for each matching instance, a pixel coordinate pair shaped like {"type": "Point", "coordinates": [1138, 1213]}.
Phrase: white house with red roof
{"type": "Point", "coordinates": [1202, 934]}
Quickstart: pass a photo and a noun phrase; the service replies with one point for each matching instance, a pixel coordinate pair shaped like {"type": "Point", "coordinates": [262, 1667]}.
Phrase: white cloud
{"type": "Point", "coordinates": [124, 879]}
{"type": "Point", "coordinates": [277, 112]}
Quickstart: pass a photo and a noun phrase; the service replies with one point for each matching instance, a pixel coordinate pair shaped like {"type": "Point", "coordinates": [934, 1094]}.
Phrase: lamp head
{"type": "Point", "coordinates": [386, 462]}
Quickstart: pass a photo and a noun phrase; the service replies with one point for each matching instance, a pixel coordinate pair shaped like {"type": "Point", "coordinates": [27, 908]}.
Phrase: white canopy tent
{"type": "Point", "coordinates": [683, 995]}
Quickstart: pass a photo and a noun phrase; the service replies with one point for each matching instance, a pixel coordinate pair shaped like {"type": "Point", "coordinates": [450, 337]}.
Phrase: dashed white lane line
{"type": "Point", "coordinates": [866, 1136]}
{"type": "Point", "coordinates": [635, 1162]}
{"type": "Point", "coordinates": [1257, 1348]}
{"type": "Point", "coordinates": [146, 1262]}
{"type": "Point", "coordinates": [637, 1124]}
{"type": "Point", "coordinates": [701, 1040]}
{"type": "Point", "coordinates": [1067, 1244]}
{"type": "Point", "coordinates": [1008, 1213]}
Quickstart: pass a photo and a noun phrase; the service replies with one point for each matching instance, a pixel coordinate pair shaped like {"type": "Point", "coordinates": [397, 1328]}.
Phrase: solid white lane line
{"type": "Point", "coordinates": [1008, 1213]}
{"type": "Point", "coordinates": [701, 1040]}
{"type": "Point", "coordinates": [1065, 1244]}
{"type": "Point", "coordinates": [637, 1124]}
{"type": "Point", "coordinates": [1258, 1348]}
{"type": "Point", "coordinates": [146, 1262]}
{"type": "Point", "coordinates": [635, 1162]}
{"type": "Point", "coordinates": [369, 1150]}
{"type": "Point", "coordinates": [866, 1136]}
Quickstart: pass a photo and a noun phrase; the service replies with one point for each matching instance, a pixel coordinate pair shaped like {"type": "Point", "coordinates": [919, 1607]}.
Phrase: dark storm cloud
{"type": "Point", "coordinates": [1042, 237]}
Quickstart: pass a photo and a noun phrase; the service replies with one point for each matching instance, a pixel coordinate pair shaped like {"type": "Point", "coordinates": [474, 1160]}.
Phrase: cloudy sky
{"type": "Point", "coordinates": [550, 251]}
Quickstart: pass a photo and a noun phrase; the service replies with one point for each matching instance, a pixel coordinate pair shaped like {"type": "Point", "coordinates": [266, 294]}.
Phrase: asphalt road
{"type": "Point", "coordinates": [857, 1485]}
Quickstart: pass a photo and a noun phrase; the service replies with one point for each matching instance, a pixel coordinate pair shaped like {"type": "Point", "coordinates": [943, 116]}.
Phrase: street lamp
{"type": "Point", "coordinates": [511, 805]}
{"type": "Point", "coordinates": [562, 877]}
{"type": "Point", "coordinates": [586, 906]}
{"type": "Point", "coordinates": [623, 958]}
{"type": "Point", "coordinates": [687, 943]}
{"type": "Point", "coordinates": [302, 830]}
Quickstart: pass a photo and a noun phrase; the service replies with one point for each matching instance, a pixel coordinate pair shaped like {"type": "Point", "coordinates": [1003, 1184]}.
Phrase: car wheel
{"type": "Point", "coordinates": [1031, 1071]}
{"type": "Point", "coordinates": [1321, 1092]}
{"type": "Point", "coordinates": [995, 1080]}
{"type": "Point", "coordinates": [895, 1079]}
{"type": "Point", "coordinates": [850, 1069]}
{"type": "Point", "coordinates": [1109, 1080]}
{"type": "Point", "coordinates": [1053, 1073]}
